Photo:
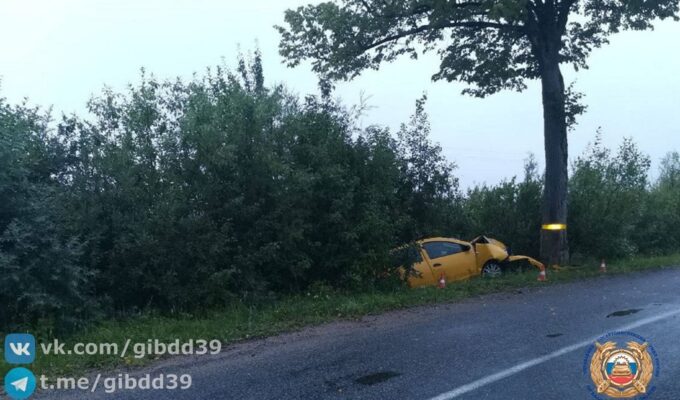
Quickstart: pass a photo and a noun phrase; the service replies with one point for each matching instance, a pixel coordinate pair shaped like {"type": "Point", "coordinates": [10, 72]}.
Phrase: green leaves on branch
{"type": "Point", "coordinates": [490, 45]}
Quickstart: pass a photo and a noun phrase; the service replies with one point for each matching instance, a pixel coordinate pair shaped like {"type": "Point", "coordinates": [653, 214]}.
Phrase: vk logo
{"type": "Point", "coordinates": [19, 384]}
{"type": "Point", "coordinates": [19, 348]}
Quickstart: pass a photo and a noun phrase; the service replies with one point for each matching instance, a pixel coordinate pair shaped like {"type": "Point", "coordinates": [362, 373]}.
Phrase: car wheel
{"type": "Point", "coordinates": [492, 269]}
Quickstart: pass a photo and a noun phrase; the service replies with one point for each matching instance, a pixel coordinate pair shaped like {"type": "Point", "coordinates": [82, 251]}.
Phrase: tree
{"type": "Point", "coordinates": [507, 211]}
{"type": "Point", "coordinates": [41, 283]}
{"type": "Point", "coordinates": [607, 193]}
{"type": "Point", "coordinates": [489, 44]}
{"type": "Point", "coordinates": [659, 231]}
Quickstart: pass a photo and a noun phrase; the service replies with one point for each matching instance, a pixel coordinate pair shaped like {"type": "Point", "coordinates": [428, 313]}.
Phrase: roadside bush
{"type": "Point", "coordinates": [607, 196]}
{"type": "Point", "coordinates": [41, 278]}
{"type": "Point", "coordinates": [508, 211]}
{"type": "Point", "coordinates": [658, 232]}
{"type": "Point", "coordinates": [193, 195]}
{"type": "Point", "coordinates": [185, 196]}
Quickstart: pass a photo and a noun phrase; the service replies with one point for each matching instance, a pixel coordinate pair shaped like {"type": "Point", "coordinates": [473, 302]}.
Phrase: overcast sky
{"type": "Point", "coordinates": [60, 52]}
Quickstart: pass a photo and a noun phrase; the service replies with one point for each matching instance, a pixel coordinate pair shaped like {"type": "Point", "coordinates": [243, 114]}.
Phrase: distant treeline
{"type": "Point", "coordinates": [182, 196]}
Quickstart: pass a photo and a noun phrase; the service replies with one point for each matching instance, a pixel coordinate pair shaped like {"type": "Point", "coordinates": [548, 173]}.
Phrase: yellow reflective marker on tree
{"type": "Point", "coordinates": [554, 227]}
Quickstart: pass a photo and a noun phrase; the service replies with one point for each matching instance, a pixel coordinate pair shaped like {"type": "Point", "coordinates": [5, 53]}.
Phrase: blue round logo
{"type": "Point", "coordinates": [19, 383]}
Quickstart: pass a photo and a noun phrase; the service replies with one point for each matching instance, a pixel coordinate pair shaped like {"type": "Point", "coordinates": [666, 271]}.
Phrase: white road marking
{"type": "Point", "coordinates": [461, 390]}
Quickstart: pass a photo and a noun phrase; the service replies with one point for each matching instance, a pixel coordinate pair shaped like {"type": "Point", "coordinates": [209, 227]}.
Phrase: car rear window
{"type": "Point", "coordinates": [405, 256]}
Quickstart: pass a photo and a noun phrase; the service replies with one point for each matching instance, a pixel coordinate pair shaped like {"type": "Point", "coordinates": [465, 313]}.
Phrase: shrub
{"type": "Point", "coordinates": [41, 278]}
{"type": "Point", "coordinates": [606, 194]}
{"type": "Point", "coordinates": [184, 196]}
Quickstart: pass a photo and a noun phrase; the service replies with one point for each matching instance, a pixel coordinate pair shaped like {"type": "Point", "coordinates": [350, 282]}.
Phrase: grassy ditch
{"type": "Point", "coordinates": [240, 322]}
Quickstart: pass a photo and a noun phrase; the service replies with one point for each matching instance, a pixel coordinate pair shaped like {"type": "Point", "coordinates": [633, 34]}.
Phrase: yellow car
{"type": "Point", "coordinates": [456, 260]}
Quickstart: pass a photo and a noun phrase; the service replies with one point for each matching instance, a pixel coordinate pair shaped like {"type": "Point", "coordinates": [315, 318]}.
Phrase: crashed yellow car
{"type": "Point", "coordinates": [456, 260]}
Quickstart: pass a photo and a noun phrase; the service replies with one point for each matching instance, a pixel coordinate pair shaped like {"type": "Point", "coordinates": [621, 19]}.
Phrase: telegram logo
{"type": "Point", "coordinates": [19, 384]}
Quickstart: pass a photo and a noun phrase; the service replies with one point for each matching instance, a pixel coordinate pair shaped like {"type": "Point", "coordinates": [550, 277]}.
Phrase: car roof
{"type": "Point", "coordinates": [443, 239]}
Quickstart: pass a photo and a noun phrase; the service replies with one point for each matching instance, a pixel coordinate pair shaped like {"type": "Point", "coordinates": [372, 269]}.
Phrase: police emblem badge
{"type": "Point", "coordinates": [621, 373]}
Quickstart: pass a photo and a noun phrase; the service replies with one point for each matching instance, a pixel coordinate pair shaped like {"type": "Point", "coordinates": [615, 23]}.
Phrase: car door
{"type": "Point", "coordinates": [411, 260]}
{"type": "Point", "coordinates": [423, 271]}
{"type": "Point", "coordinates": [454, 260]}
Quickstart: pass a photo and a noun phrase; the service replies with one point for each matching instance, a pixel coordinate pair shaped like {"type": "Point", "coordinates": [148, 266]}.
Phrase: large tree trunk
{"type": "Point", "coordinates": [554, 245]}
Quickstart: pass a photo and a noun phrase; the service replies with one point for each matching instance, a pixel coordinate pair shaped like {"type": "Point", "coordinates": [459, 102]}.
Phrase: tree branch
{"type": "Point", "coordinates": [368, 7]}
{"type": "Point", "coordinates": [421, 9]}
{"type": "Point", "coordinates": [460, 24]}
{"type": "Point", "coordinates": [563, 10]}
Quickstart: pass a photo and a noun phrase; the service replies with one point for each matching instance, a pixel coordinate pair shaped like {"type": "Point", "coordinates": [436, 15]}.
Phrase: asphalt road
{"type": "Point", "coordinates": [527, 344]}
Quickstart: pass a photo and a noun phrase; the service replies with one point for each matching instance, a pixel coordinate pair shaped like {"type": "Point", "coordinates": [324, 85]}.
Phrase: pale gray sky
{"type": "Point", "coordinates": [60, 52]}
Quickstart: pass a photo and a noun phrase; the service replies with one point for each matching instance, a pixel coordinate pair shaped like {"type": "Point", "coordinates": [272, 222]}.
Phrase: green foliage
{"type": "Point", "coordinates": [508, 211]}
{"type": "Point", "coordinates": [180, 196]}
{"type": "Point", "coordinates": [41, 279]}
{"type": "Point", "coordinates": [184, 196]}
{"type": "Point", "coordinates": [659, 231]}
{"type": "Point", "coordinates": [490, 45]}
{"type": "Point", "coordinates": [606, 198]}
{"type": "Point", "coordinates": [428, 190]}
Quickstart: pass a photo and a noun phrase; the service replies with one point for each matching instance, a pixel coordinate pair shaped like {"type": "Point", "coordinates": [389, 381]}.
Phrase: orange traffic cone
{"type": "Point", "coordinates": [541, 276]}
{"type": "Point", "coordinates": [603, 266]}
{"type": "Point", "coordinates": [442, 282]}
